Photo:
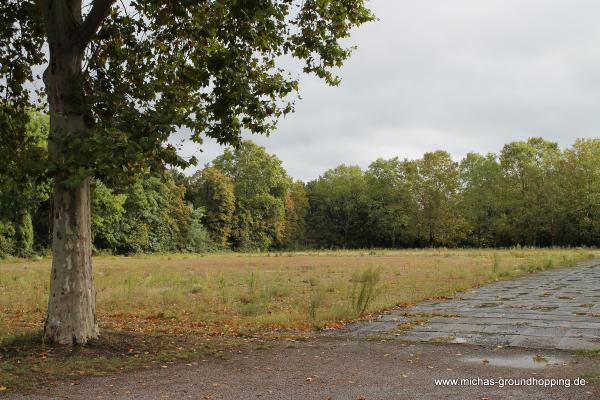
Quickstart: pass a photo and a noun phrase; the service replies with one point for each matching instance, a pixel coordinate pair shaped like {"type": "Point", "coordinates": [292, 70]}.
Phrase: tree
{"type": "Point", "coordinates": [296, 207]}
{"type": "Point", "coordinates": [437, 195]}
{"type": "Point", "coordinates": [391, 201]}
{"type": "Point", "coordinates": [531, 169]}
{"type": "Point", "coordinates": [483, 199]}
{"type": "Point", "coordinates": [122, 76]}
{"type": "Point", "coordinates": [337, 215]}
{"type": "Point", "coordinates": [260, 186]}
{"type": "Point", "coordinates": [580, 189]}
{"type": "Point", "coordinates": [213, 191]}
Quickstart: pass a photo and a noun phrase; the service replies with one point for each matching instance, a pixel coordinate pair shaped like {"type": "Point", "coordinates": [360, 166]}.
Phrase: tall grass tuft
{"type": "Point", "coordinates": [314, 302]}
{"type": "Point", "coordinates": [496, 263]}
{"type": "Point", "coordinates": [364, 289]}
{"type": "Point", "coordinates": [251, 282]}
{"type": "Point", "coordinates": [221, 285]}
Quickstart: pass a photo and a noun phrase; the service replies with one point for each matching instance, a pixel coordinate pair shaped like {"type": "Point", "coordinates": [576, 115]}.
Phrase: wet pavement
{"type": "Point", "coordinates": [555, 309]}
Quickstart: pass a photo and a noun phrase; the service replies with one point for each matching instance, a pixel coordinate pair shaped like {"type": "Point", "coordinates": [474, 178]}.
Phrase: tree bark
{"type": "Point", "coordinates": [71, 315]}
{"type": "Point", "coordinates": [72, 303]}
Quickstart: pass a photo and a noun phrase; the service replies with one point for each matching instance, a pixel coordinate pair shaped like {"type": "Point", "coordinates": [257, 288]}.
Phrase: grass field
{"type": "Point", "coordinates": [154, 309]}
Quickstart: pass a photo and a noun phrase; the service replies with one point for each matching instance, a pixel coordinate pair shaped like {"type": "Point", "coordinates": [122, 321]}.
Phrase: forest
{"type": "Point", "coordinates": [531, 193]}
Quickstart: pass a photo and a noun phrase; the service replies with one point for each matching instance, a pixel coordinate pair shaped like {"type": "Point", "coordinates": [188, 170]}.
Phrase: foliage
{"type": "Point", "coordinates": [579, 182]}
{"type": "Point", "coordinates": [391, 202]}
{"type": "Point", "coordinates": [531, 171]}
{"type": "Point", "coordinates": [108, 214]}
{"type": "Point", "coordinates": [337, 208]}
{"type": "Point", "coordinates": [483, 199]}
{"type": "Point", "coordinates": [296, 207]}
{"type": "Point", "coordinates": [436, 191]}
{"type": "Point", "coordinates": [260, 186]}
{"type": "Point", "coordinates": [212, 190]}
{"type": "Point", "coordinates": [531, 193]}
{"type": "Point", "coordinates": [151, 67]}
{"type": "Point", "coordinates": [7, 239]}
{"type": "Point", "coordinates": [23, 185]}
{"type": "Point", "coordinates": [150, 215]}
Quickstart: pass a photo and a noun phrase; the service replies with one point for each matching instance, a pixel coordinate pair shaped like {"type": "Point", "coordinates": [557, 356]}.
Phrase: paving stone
{"type": "Point", "coordinates": [555, 309]}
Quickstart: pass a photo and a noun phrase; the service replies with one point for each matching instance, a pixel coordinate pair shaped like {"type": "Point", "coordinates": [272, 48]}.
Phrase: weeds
{"type": "Point", "coordinates": [364, 289]}
{"type": "Point", "coordinates": [496, 264]}
{"type": "Point", "coordinates": [221, 285]}
{"type": "Point", "coordinates": [314, 302]}
{"type": "Point", "coordinates": [251, 283]}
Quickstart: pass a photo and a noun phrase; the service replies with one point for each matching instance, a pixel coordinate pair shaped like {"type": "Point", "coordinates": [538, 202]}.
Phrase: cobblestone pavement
{"type": "Point", "coordinates": [556, 309]}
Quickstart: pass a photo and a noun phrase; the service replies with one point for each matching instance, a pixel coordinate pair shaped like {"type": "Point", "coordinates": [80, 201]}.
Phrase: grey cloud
{"type": "Point", "coordinates": [461, 75]}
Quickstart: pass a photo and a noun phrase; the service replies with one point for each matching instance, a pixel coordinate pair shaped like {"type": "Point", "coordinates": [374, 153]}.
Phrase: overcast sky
{"type": "Point", "coordinates": [460, 75]}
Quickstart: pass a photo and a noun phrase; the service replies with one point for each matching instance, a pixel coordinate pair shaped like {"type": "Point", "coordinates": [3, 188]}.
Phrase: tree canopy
{"type": "Point", "coordinates": [152, 67]}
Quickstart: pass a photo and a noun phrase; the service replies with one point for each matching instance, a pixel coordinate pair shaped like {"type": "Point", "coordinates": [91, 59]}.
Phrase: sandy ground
{"type": "Point", "coordinates": [336, 368]}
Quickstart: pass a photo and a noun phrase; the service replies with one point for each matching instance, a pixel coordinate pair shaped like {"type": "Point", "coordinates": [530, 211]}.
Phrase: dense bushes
{"type": "Point", "coordinates": [149, 216]}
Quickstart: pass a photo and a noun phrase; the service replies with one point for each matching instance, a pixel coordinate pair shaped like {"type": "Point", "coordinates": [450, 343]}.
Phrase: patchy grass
{"type": "Point", "coordinates": [169, 307]}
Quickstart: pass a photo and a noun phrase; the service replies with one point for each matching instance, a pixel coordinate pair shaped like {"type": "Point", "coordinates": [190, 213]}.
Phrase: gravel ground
{"type": "Point", "coordinates": [335, 368]}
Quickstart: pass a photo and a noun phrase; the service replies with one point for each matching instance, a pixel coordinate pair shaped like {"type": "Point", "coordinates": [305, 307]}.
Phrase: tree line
{"type": "Point", "coordinates": [531, 193]}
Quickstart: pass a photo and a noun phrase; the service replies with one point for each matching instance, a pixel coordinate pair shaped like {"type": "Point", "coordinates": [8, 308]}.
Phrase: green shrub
{"type": "Point", "coordinates": [24, 236]}
{"type": "Point", "coordinates": [7, 239]}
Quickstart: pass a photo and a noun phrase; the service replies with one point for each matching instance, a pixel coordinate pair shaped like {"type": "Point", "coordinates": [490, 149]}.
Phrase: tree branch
{"type": "Point", "coordinates": [94, 19]}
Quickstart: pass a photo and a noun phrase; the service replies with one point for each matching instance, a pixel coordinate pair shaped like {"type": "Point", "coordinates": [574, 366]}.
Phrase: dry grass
{"type": "Point", "coordinates": [237, 294]}
{"type": "Point", "coordinates": [194, 299]}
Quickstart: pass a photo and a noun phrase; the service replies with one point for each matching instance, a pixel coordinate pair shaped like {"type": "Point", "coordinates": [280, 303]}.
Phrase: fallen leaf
{"type": "Point", "coordinates": [2, 388]}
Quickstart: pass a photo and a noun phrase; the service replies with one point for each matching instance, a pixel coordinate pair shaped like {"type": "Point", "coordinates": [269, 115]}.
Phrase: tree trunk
{"type": "Point", "coordinates": [71, 315]}
{"type": "Point", "coordinates": [72, 303]}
